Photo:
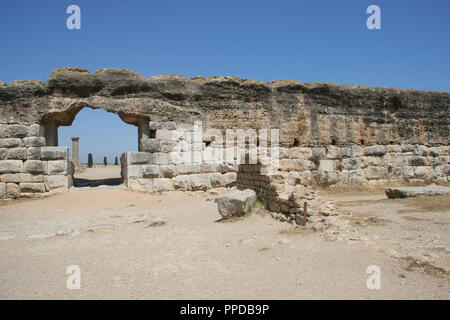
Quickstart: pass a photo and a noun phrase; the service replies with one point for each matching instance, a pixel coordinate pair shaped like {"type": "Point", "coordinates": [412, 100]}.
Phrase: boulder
{"type": "Point", "coordinates": [406, 192]}
{"type": "Point", "coordinates": [235, 202]}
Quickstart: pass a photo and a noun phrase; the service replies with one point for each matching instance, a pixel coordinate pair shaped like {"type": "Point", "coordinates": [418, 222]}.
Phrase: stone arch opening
{"type": "Point", "coordinates": [53, 128]}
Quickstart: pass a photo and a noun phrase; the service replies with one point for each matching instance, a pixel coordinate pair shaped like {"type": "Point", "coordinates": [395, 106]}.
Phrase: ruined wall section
{"type": "Point", "coordinates": [29, 169]}
{"type": "Point", "coordinates": [329, 133]}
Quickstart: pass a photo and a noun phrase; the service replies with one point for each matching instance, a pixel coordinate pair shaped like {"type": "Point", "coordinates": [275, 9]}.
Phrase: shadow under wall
{"type": "Point", "coordinates": [78, 182]}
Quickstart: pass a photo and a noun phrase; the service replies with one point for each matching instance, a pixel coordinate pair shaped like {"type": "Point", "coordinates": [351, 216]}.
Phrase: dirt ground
{"type": "Point", "coordinates": [107, 232]}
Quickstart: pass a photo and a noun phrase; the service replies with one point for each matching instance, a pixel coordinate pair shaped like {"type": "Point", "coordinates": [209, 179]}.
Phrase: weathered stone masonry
{"type": "Point", "coordinates": [329, 133]}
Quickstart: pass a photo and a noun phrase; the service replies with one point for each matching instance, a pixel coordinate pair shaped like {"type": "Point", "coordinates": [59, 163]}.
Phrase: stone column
{"type": "Point", "coordinates": [75, 151]}
{"type": "Point", "coordinates": [51, 133]}
{"type": "Point", "coordinates": [143, 131]}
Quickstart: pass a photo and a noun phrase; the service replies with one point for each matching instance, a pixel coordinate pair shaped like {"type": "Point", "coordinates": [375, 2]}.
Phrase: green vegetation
{"type": "Point", "coordinates": [90, 161]}
{"type": "Point", "coordinates": [105, 161]}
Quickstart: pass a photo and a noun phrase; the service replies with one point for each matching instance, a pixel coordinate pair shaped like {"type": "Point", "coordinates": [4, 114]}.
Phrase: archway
{"type": "Point", "coordinates": [103, 134]}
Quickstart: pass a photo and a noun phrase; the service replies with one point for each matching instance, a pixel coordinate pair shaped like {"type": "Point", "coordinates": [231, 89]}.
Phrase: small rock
{"type": "Point", "coordinates": [157, 221]}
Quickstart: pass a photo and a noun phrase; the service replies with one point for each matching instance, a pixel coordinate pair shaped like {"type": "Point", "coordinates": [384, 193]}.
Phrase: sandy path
{"type": "Point", "coordinates": [191, 257]}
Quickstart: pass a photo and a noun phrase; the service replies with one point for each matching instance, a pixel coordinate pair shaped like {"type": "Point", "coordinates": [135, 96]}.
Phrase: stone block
{"type": "Point", "coordinates": [372, 172]}
{"type": "Point", "coordinates": [140, 185]}
{"type": "Point", "coordinates": [34, 153]}
{"type": "Point", "coordinates": [54, 153]}
{"type": "Point", "coordinates": [12, 190]}
{"type": "Point", "coordinates": [34, 130]}
{"type": "Point", "coordinates": [3, 132]}
{"type": "Point", "coordinates": [17, 131]}
{"type": "Point", "coordinates": [28, 177]}
{"type": "Point", "coordinates": [35, 142]}
{"type": "Point", "coordinates": [149, 171]}
{"type": "Point", "coordinates": [186, 168]}
{"type": "Point", "coordinates": [356, 176]}
{"type": "Point", "coordinates": [17, 153]}
{"type": "Point", "coordinates": [2, 190]}
{"type": "Point", "coordinates": [168, 171]}
{"type": "Point", "coordinates": [416, 161]}
{"type": "Point", "coordinates": [133, 172]}
{"type": "Point", "coordinates": [376, 150]}
{"type": "Point", "coordinates": [56, 182]}
{"type": "Point", "coordinates": [206, 167]}
{"type": "Point", "coordinates": [422, 172]}
{"type": "Point", "coordinates": [181, 182]}
{"type": "Point", "coordinates": [215, 179]}
{"type": "Point", "coordinates": [229, 179]}
{"type": "Point", "coordinates": [10, 177]}
{"type": "Point", "coordinates": [3, 153]}
{"type": "Point", "coordinates": [150, 145]}
{"type": "Point", "coordinates": [34, 166]}
{"type": "Point", "coordinates": [160, 158]}
{"type": "Point", "coordinates": [326, 165]}
{"type": "Point", "coordinates": [29, 187]}
{"type": "Point", "coordinates": [200, 181]}
{"type": "Point", "coordinates": [132, 158]}
{"type": "Point", "coordinates": [162, 184]}
{"type": "Point", "coordinates": [57, 167]}
{"type": "Point", "coordinates": [163, 134]}
{"type": "Point", "coordinates": [350, 164]}
{"type": "Point", "coordinates": [11, 166]}
{"type": "Point", "coordinates": [11, 143]}
{"type": "Point", "coordinates": [225, 166]}
{"type": "Point", "coordinates": [333, 152]}
{"type": "Point", "coordinates": [236, 202]}
{"type": "Point", "coordinates": [394, 148]}
{"type": "Point", "coordinates": [357, 151]}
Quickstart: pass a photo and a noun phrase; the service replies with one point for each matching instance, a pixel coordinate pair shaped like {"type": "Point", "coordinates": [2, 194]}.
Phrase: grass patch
{"type": "Point", "coordinates": [296, 230]}
{"type": "Point", "coordinates": [362, 219]}
{"type": "Point", "coordinates": [412, 264]}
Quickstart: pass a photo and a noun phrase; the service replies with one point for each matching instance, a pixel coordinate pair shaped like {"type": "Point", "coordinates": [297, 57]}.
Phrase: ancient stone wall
{"type": "Point", "coordinates": [328, 133]}
{"type": "Point", "coordinates": [27, 167]}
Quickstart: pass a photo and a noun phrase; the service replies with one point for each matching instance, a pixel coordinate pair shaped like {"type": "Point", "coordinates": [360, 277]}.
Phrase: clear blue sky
{"type": "Point", "coordinates": [255, 39]}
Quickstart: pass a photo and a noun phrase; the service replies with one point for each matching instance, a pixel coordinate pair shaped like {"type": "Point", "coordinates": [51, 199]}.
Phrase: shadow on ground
{"type": "Point", "coordinates": [77, 182]}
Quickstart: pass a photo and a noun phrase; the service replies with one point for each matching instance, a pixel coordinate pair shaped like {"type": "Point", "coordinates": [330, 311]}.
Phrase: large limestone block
{"type": "Point", "coordinates": [57, 167]}
{"type": "Point", "coordinates": [235, 202]}
{"type": "Point", "coordinates": [150, 171]}
{"type": "Point", "coordinates": [2, 190]}
{"type": "Point", "coordinates": [133, 172]}
{"type": "Point", "coordinates": [376, 150]}
{"type": "Point", "coordinates": [215, 179]}
{"type": "Point", "coordinates": [132, 158]}
{"type": "Point", "coordinates": [56, 182]}
{"type": "Point", "coordinates": [28, 177]}
{"type": "Point", "coordinates": [141, 185]}
{"type": "Point", "coordinates": [34, 142]}
{"type": "Point", "coordinates": [200, 181]}
{"type": "Point", "coordinates": [34, 166]}
{"type": "Point", "coordinates": [34, 153]}
{"type": "Point", "coordinates": [162, 184]}
{"type": "Point", "coordinates": [11, 166]}
{"type": "Point", "coordinates": [54, 153]}
{"type": "Point", "coordinates": [17, 153]}
{"type": "Point", "coordinates": [150, 145]}
{"type": "Point", "coordinates": [11, 143]}
{"type": "Point", "coordinates": [187, 168]}
{"type": "Point", "coordinates": [17, 131]}
{"type": "Point", "coordinates": [182, 182]}
{"type": "Point", "coordinates": [168, 171]}
{"type": "Point", "coordinates": [12, 190]}
{"type": "Point", "coordinates": [29, 187]}
{"type": "Point", "coordinates": [326, 165]}
{"type": "Point", "coordinates": [3, 153]}
{"type": "Point", "coordinates": [10, 177]}
{"type": "Point", "coordinates": [405, 192]}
